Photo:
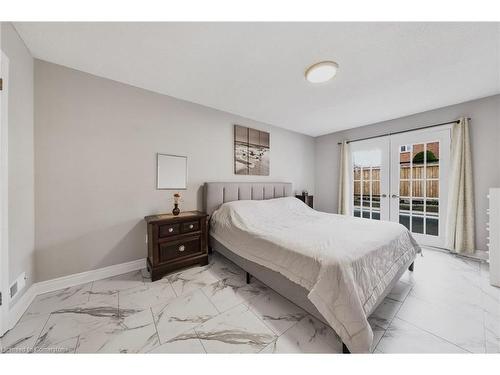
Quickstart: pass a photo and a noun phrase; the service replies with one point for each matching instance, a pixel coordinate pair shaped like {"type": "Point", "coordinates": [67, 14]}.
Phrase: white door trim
{"type": "Point", "coordinates": [4, 195]}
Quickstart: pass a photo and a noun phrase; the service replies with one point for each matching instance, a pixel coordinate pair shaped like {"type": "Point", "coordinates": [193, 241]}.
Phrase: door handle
{"type": "Point", "coordinates": [384, 195]}
{"type": "Point", "coordinates": [395, 196]}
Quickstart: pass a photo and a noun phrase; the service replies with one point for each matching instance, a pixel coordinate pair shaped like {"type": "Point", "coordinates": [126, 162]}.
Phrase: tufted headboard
{"type": "Point", "coordinates": [216, 193]}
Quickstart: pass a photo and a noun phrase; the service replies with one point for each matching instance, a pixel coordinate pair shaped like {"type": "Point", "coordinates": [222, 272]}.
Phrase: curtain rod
{"type": "Point", "coordinates": [403, 131]}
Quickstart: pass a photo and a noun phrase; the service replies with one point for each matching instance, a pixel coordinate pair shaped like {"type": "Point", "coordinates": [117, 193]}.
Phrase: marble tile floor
{"type": "Point", "coordinates": [445, 306]}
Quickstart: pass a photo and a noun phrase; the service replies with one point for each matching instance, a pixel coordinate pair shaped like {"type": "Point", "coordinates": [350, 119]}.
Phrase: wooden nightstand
{"type": "Point", "coordinates": [175, 242]}
{"type": "Point", "coordinates": [308, 199]}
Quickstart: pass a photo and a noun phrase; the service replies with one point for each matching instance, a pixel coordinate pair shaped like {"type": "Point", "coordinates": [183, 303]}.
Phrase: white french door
{"type": "Point", "coordinates": [419, 183]}
{"type": "Point", "coordinates": [404, 178]}
{"type": "Point", "coordinates": [370, 178]}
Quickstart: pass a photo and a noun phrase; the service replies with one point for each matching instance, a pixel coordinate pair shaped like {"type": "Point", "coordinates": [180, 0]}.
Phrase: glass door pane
{"type": "Point", "coordinates": [418, 161]}
{"type": "Point", "coordinates": [370, 178]}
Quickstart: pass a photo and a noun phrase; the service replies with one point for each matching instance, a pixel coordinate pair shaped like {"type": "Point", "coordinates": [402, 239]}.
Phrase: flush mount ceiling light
{"type": "Point", "coordinates": [322, 72]}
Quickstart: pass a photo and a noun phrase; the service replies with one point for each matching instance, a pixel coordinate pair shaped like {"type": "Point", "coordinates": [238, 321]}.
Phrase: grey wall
{"type": "Point", "coordinates": [485, 138]}
{"type": "Point", "coordinates": [95, 147]}
{"type": "Point", "coordinates": [20, 154]}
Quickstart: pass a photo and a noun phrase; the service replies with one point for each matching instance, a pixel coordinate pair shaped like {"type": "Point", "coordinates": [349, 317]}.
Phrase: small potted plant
{"type": "Point", "coordinates": [177, 198]}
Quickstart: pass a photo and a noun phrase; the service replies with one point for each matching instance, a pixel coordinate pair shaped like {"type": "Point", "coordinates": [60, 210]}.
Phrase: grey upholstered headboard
{"type": "Point", "coordinates": [216, 193]}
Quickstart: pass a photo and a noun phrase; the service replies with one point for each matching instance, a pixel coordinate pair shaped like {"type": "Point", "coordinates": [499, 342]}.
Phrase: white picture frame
{"type": "Point", "coordinates": [171, 172]}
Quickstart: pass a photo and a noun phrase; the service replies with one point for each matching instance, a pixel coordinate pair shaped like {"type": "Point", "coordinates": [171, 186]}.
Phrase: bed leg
{"type": "Point", "coordinates": [345, 349]}
{"type": "Point", "coordinates": [248, 278]}
{"type": "Point", "coordinates": [412, 266]}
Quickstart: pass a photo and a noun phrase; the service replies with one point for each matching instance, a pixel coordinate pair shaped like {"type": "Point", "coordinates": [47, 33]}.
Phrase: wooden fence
{"type": "Point", "coordinates": [425, 180]}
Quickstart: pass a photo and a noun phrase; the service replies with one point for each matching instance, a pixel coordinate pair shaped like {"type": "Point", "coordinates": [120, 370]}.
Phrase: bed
{"type": "Point", "coordinates": [335, 267]}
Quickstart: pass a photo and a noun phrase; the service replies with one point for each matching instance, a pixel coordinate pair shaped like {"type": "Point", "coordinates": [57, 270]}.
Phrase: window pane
{"type": "Point", "coordinates": [432, 171]}
{"type": "Point", "coordinates": [404, 157]}
{"type": "Point", "coordinates": [432, 152]}
{"type": "Point", "coordinates": [404, 188]}
{"type": "Point", "coordinates": [376, 202]}
{"type": "Point", "coordinates": [417, 224]}
{"type": "Point", "coordinates": [366, 174]}
{"type": "Point", "coordinates": [366, 214]}
{"type": "Point", "coordinates": [418, 188]}
{"type": "Point", "coordinates": [404, 172]}
{"type": "Point", "coordinates": [366, 201]}
{"type": "Point", "coordinates": [357, 187]}
{"type": "Point", "coordinates": [432, 207]}
{"type": "Point", "coordinates": [417, 205]}
{"type": "Point", "coordinates": [418, 172]}
{"type": "Point", "coordinates": [357, 173]}
{"type": "Point", "coordinates": [366, 187]}
{"type": "Point", "coordinates": [405, 220]}
{"type": "Point", "coordinates": [357, 212]}
{"type": "Point", "coordinates": [433, 188]}
{"type": "Point", "coordinates": [417, 155]}
{"type": "Point", "coordinates": [357, 201]}
{"type": "Point", "coordinates": [375, 174]}
{"type": "Point", "coordinates": [376, 188]}
{"type": "Point", "coordinates": [375, 215]}
{"type": "Point", "coordinates": [432, 226]}
{"type": "Point", "coordinates": [404, 205]}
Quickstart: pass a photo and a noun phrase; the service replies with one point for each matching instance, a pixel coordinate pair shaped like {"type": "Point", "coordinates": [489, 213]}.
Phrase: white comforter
{"type": "Point", "coordinates": [345, 263]}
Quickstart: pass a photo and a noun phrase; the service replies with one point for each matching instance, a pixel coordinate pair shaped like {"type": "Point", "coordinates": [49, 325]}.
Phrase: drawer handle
{"type": "Point", "coordinates": [182, 248]}
{"type": "Point", "coordinates": [170, 230]}
{"type": "Point", "coordinates": [191, 226]}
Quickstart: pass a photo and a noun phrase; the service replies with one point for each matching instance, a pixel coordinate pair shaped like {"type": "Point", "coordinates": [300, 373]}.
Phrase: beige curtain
{"type": "Point", "coordinates": [344, 198]}
{"type": "Point", "coordinates": [460, 212]}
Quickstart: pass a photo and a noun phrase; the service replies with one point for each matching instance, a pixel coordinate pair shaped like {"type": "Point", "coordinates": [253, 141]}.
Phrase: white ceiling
{"type": "Point", "coordinates": [256, 70]}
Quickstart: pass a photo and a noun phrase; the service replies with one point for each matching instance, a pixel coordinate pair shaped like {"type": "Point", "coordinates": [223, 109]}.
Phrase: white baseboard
{"type": "Point", "coordinates": [88, 276]}
{"type": "Point", "coordinates": [17, 310]}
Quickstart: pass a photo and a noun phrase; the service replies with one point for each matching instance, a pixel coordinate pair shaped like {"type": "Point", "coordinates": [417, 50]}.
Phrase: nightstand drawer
{"type": "Point", "coordinates": [191, 226]}
{"type": "Point", "coordinates": [179, 249]}
{"type": "Point", "coordinates": [176, 242]}
{"type": "Point", "coordinates": [167, 230]}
